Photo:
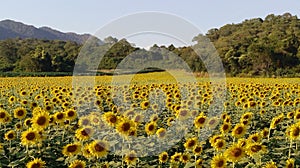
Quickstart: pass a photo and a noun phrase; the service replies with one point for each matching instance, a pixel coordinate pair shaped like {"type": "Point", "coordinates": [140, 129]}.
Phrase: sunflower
{"type": "Point", "coordinates": [199, 163]}
{"type": "Point", "coordinates": [270, 164]}
{"type": "Point", "coordinates": [255, 149]}
{"type": "Point", "coordinates": [59, 117]}
{"type": "Point", "coordinates": [110, 118]}
{"type": "Point", "coordinates": [239, 130]}
{"type": "Point", "coordinates": [183, 114]}
{"type": "Point", "coordinates": [95, 120]}
{"type": "Point", "coordinates": [235, 153]}
{"type": "Point", "coordinates": [212, 122]}
{"type": "Point", "coordinates": [41, 120]}
{"type": "Point", "coordinates": [200, 120]}
{"type": "Point", "coordinates": [214, 139]}
{"type": "Point", "coordinates": [131, 158]}
{"type": "Point", "coordinates": [71, 114]}
{"type": "Point", "coordinates": [290, 163]}
{"type": "Point", "coordinates": [150, 128]}
{"type": "Point", "coordinates": [30, 137]}
{"type": "Point", "coordinates": [161, 133]}
{"type": "Point", "coordinates": [163, 157]}
{"type": "Point", "coordinates": [190, 143]}
{"type": "Point", "coordinates": [86, 152]}
{"type": "Point", "coordinates": [170, 121]}
{"type": "Point", "coordinates": [84, 121]}
{"type": "Point", "coordinates": [276, 120]}
{"type": "Point", "coordinates": [197, 150]}
{"type": "Point", "coordinates": [10, 135]}
{"type": "Point", "coordinates": [256, 137]}
{"type": "Point", "coordinates": [176, 157]}
{"type": "Point", "coordinates": [185, 157]}
{"type": "Point", "coordinates": [124, 126]}
{"type": "Point", "coordinates": [71, 149]}
{"type": "Point", "coordinates": [294, 132]}
{"type": "Point", "coordinates": [3, 116]}
{"type": "Point", "coordinates": [219, 144]}
{"type": "Point", "coordinates": [264, 133]}
{"type": "Point", "coordinates": [20, 113]}
{"type": "Point", "coordinates": [144, 105]}
{"type": "Point", "coordinates": [84, 133]}
{"type": "Point", "coordinates": [290, 115]}
{"type": "Point", "coordinates": [247, 116]}
{"type": "Point", "coordinates": [225, 127]}
{"type": "Point", "coordinates": [77, 164]}
{"type": "Point", "coordinates": [36, 163]}
{"type": "Point", "coordinates": [99, 148]}
{"type": "Point", "coordinates": [138, 118]}
{"type": "Point", "coordinates": [218, 161]}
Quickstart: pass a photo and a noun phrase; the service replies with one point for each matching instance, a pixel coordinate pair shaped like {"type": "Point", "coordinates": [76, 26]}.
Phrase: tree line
{"type": "Point", "coordinates": [254, 47]}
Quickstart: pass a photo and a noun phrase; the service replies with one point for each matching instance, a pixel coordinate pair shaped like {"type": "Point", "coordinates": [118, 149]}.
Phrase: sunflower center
{"type": "Point", "coordinates": [71, 113]}
{"type": "Point", "coordinates": [164, 157]}
{"type": "Point", "coordinates": [151, 127]}
{"type": "Point", "coordinates": [296, 132]}
{"type": "Point", "coordinates": [99, 147]}
{"type": "Point", "coordinates": [201, 120]}
{"type": "Point", "coordinates": [60, 116]}
{"type": "Point", "coordinates": [113, 119]}
{"type": "Point", "coordinates": [41, 120]}
{"type": "Point", "coordinates": [256, 148]}
{"type": "Point", "coordinates": [191, 143]}
{"type": "Point", "coordinates": [237, 152]}
{"type": "Point", "coordinates": [36, 165]}
{"type": "Point", "coordinates": [72, 148]}
{"type": "Point", "coordinates": [211, 122]}
{"type": "Point", "coordinates": [220, 163]}
{"type": "Point", "coordinates": [239, 130]}
{"type": "Point", "coordinates": [2, 115]}
{"type": "Point", "coordinates": [30, 136]}
{"type": "Point", "coordinates": [10, 136]}
{"type": "Point", "coordinates": [86, 132]}
{"type": "Point", "coordinates": [125, 126]}
{"type": "Point", "coordinates": [20, 113]}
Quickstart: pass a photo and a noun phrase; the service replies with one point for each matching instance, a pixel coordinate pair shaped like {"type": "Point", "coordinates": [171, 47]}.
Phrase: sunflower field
{"type": "Point", "coordinates": [152, 122]}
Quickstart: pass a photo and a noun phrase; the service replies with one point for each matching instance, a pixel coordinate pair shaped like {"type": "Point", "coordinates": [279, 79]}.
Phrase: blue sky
{"type": "Point", "coordinates": [89, 15]}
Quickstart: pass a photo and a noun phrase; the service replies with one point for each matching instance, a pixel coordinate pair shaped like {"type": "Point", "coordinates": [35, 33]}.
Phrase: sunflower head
{"type": "Point", "coordinates": [163, 157]}
{"type": "Point", "coordinates": [99, 148]}
{"type": "Point", "coordinates": [77, 164]}
{"type": "Point", "coordinates": [36, 163]}
{"type": "Point", "coordinates": [71, 149]}
{"type": "Point", "coordinates": [20, 113]}
{"type": "Point", "coordinates": [235, 153]}
{"type": "Point", "coordinates": [218, 161]}
{"type": "Point", "coordinates": [131, 158]}
{"type": "Point", "coordinates": [10, 135]}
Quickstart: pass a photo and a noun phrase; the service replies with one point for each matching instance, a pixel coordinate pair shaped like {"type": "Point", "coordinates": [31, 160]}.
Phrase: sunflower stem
{"type": "Point", "coordinates": [290, 149]}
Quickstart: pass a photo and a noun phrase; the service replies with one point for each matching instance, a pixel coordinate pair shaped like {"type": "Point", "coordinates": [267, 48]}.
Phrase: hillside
{"type": "Point", "coordinates": [12, 29]}
{"type": "Point", "coordinates": [255, 47]}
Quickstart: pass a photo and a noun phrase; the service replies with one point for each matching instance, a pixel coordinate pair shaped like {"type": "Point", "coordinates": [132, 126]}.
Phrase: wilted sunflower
{"type": "Point", "coordinates": [99, 148]}
{"type": "Point", "coordinates": [41, 120]}
{"type": "Point", "coordinates": [239, 130]}
{"type": "Point", "coordinates": [77, 164]}
{"type": "Point", "coordinates": [235, 153]}
{"type": "Point", "coordinates": [150, 128]}
{"type": "Point", "coordinates": [190, 143]}
{"type": "Point", "coordinates": [161, 133]}
{"type": "Point", "coordinates": [84, 121]}
{"type": "Point", "coordinates": [218, 161]}
{"type": "Point", "coordinates": [10, 135]}
{"type": "Point", "coordinates": [110, 118]}
{"type": "Point", "coordinates": [183, 114]}
{"type": "Point", "coordinates": [131, 158]}
{"type": "Point", "coordinates": [71, 149]}
{"type": "Point", "coordinates": [20, 113]}
{"type": "Point", "coordinates": [255, 149]}
{"type": "Point", "coordinates": [30, 137]}
{"type": "Point", "coordinates": [36, 163]}
{"type": "Point", "coordinates": [84, 133]}
{"type": "Point", "coordinates": [212, 122]}
{"type": "Point", "coordinates": [163, 157]}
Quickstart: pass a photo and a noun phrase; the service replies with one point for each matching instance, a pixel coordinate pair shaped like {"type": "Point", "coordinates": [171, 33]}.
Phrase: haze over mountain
{"type": "Point", "coordinates": [13, 29]}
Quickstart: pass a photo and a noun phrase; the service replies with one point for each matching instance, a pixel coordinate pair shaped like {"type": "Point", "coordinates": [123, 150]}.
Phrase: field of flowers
{"type": "Point", "coordinates": [152, 122]}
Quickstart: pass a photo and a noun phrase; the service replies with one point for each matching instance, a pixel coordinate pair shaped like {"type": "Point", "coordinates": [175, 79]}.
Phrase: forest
{"type": "Point", "coordinates": [255, 47]}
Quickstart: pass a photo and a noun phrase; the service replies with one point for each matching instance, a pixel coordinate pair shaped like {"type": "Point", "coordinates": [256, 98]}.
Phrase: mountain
{"type": "Point", "coordinates": [13, 29]}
